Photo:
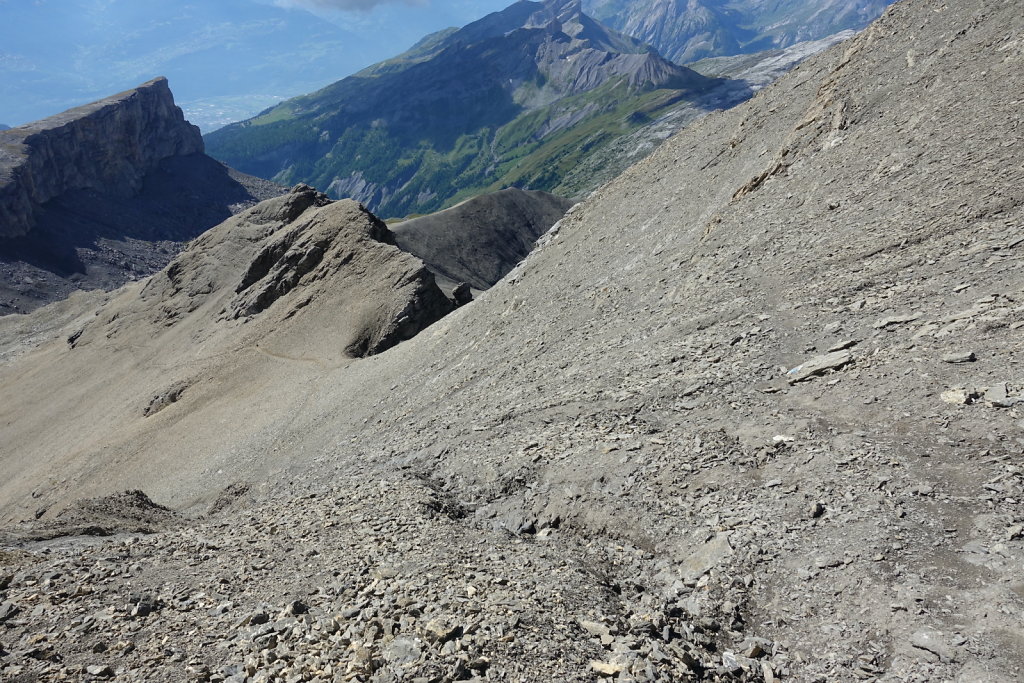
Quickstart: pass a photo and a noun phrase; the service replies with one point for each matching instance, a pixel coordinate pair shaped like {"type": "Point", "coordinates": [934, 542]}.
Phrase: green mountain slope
{"type": "Point", "coordinates": [516, 98]}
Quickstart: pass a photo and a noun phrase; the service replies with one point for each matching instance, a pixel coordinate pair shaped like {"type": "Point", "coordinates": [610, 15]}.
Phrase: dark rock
{"type": "Point", "coordinates": [462, 294]}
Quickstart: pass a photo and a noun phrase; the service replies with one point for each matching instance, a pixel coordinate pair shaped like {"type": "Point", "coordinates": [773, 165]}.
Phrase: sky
{"type": "Point", "coordinates": [225, 59]}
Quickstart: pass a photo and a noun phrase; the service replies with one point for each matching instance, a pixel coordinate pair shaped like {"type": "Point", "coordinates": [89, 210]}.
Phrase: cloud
{"type": "Point", "coordinates": [343, 5]}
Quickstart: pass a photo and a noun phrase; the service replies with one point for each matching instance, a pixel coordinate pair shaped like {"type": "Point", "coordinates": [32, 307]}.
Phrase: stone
{"type": "Point", "coordinates": [442, 630]}
{"type": "Point", "coordinates": [958, 397]}
{"type": "Point", "coordinates": [706, 557]}
{"type": "Point", "coordinates": [843, 345]}
{"type": "Point", "coordinates": [894, 320]}
{"type": "Point", "coordinates": [959, 357]}
{"type": "Point", "coordinates": [998, 396]}
{"type": "Point", "coordinates": [594, 628]}
{"type": "Point", "coordinates": [819, 365]}
{"type": "Point", "coordinates": [403, 650]}
{"type": "Point", "coordinates": [462, 294]}
{"type": "Point", "coordinates": [607, 669]}
{"type": "Point", "coordinates": [8, 610]}
{"type": "Point", "coordinates": [934, 642]}
{"type": "Point", "coordinates": [296, 608]}
{"type": "Point", "coordinates": [100, 671]}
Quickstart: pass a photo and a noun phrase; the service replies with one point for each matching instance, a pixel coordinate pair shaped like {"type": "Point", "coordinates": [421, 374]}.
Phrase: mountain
{"type": "Point", "coordinates": [688, 30]}
{"type": "Point", "coordinates": [750, 412]}
{"type": "Point", "coordinates": [463, 111]}
{"type": "Point", "coordinates": [481, 239]}
{"type": "Point", "coordinates": [104, 193]}
{"type": "Point", "coordinates": [4, 126]}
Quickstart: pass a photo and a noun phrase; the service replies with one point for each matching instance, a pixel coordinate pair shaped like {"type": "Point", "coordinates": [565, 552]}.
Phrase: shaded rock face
{"type": "Point", "coordinates": [107, 146]}
{"type": "Point", "coordinates": [105, 193]}
{"type": "Point", "coordinates": [482, 239]}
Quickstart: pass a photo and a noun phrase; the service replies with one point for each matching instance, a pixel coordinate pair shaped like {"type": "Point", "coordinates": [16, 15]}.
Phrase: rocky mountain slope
{"type": "Point", "coordinates": [502, 101]}
{"type": "Point", "coordinates": [295, 279]}
{"type": "Point", "coordinates": [101, 193]}
{"type": "Point", "coordinates": [753, 412]}
{"type": "Point", "coordinates": [480, 240]}
{"type": "Point", "coordinates": [688, 30]}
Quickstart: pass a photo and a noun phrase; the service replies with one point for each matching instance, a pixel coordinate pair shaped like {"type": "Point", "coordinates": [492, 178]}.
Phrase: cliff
{"type": "Point", "coordinates": [108, 146]}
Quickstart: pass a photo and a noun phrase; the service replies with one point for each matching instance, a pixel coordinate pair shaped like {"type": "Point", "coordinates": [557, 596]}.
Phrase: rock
{"type": "Point", "coordinates": [843, 345]}
{"type": "Point", "coordinates": [8, 610]}
{"type": "Point", "coordinates": [165, 398]}
{"type": "Point", "coordinates": [706, 557]}
{"type": "Point", "coordinates": [100, 671]}
{"type": "Point", "coordinates": [959, 357]}
{"type": "Point", "coordinates": [403, 650]}
{"type": "Point", "coordinates": [998, 396]}
{"type": "Point", "coordinates": [894, 320]}
{"type": "Point", "coordinates": [441, 630]}
{"type": "Point", "coordinates": [295, 608]}
{"type": "Point", "coordinates": [606, 668]}
{"type": "Point", "coordinates": [595, 628]}
{"type": "Point", "coordinates": [934, 642]}
{"type": "Point", "coordinates": [819, 365]}
{"type": "Point", "coordinates": [462, 294]}
{"type": "Point", "coordinates": [817, 510]}
{"type": "Point", "coordinates": [755, 648]}
{"type": "Point", "coordinates": [959, 397]}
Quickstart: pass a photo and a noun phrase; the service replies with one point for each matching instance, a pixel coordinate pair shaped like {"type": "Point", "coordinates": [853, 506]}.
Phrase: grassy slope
{"type": "Point", "coordinates": [534, 150]}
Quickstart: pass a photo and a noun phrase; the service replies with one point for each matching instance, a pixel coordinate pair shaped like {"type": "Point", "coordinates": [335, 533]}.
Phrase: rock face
{"type": "Point", "coordinates": [481, 239]}
{"type": "Point", "coordinates": [105, 193]}
{"type": "Point", "coordinates": [108, 146]}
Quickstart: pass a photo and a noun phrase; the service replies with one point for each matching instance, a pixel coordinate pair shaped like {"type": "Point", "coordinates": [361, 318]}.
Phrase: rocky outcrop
{"type": "Point", "coordinates": [107, 193]}
{"type": "Point", "coordinates": [480, 240]}
{"type": "Point", "coordinates": [107, 146]}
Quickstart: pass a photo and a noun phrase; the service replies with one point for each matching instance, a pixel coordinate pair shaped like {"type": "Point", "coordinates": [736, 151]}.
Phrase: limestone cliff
{"type": "Point", "coordinates": [107, 146]}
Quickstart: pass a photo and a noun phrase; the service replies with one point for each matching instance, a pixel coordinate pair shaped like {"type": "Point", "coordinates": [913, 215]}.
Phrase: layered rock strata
{"type": "Point", "coordinates": [108, 146]}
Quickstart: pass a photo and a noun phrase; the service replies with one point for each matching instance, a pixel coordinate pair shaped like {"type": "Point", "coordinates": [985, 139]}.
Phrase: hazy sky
{"type": "Point", "coordinates": [225, 59]}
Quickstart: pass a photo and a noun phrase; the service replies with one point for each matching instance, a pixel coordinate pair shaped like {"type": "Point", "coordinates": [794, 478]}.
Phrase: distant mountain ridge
{"type": "Point", "coordinates": [458, 112]}
{"type": "Point", "coordinates": [688, 30]}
